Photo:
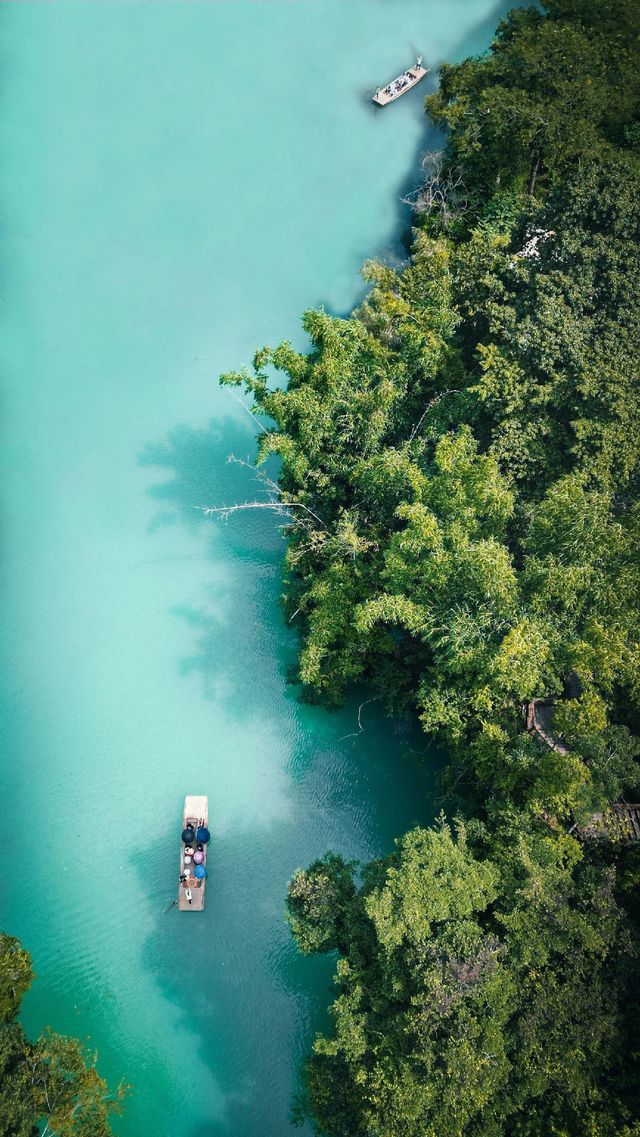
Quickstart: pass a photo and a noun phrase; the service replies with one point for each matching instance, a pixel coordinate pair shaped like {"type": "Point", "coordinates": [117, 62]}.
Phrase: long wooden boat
{"type": "Point", "coordinates": [401, 85]}
{"type": "Point", "coordinates": [193, 854]}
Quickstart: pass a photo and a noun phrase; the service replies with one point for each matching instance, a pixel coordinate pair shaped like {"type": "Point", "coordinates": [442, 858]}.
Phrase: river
{"type": "Point", "coordinates": [179, 181]}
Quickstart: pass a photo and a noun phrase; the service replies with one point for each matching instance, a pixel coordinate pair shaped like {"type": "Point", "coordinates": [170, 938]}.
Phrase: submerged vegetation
{"type": "Point", "coordinates": [459, 461]}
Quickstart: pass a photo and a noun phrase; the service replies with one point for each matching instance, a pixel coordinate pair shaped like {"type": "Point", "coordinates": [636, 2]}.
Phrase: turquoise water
{"type": "Point", "coordinates": [179, 180]}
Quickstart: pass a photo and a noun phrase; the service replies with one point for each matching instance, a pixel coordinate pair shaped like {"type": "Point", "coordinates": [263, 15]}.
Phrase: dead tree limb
{"type": "Point", "coordinates": [277, 503]}
{"type": "Point", "coordinates": [452, 391]}
{"type": "Point", "coordinates": [281, 507]}
{"type": "Point", "coordinates": [240, 401]}
{"type": "Point", "coordinates": [443, 192]}
{"type": "Point", "coordinates": [534, 174]}
{"type": "Point", "coordinates": [360, 730]}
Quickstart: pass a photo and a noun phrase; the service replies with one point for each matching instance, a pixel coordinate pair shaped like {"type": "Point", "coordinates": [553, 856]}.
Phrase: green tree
{"type": "Point", "coordinates": [49, 1087]}
{"type": "Point", "coordinates": [478, 992]}
{"type": "Point", "coordinates": [318, 904]}
{"type": "Point", "coordinates": [555, 89]}
{"type": "Point", "coordinates": [16, 976]}
{"type": "Point", "coordinates": [459, 465]}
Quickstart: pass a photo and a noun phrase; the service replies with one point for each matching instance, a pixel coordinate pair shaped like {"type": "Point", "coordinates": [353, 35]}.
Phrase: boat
{"type": "Point", "coordinates": [194, 842]}
{"type": "Point", "coordinates": [401, 85]}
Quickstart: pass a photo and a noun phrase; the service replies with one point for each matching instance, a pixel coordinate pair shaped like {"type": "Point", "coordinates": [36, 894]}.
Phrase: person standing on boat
{"type": "Point", "coordinates": [188, 894]}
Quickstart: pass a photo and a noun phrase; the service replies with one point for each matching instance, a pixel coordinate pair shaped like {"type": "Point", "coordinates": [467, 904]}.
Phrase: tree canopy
{"type": "Point", "coordinates": [459, 466]}
{"type": "Point", "coordinates": [479, 992]}
{"type": "Point", "coordinates": [50, 1086]}
{"type": "Point", "coordinates": [462, 485]}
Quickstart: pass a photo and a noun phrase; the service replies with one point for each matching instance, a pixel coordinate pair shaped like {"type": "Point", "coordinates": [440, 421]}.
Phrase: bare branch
{"type": "Point", "coordinates": [443, 192]}
{"type": "Point", "coordinates": [281, 507]}
{"type": "Point", "coordinates": [240, 401]}
{"type": "Point", "coordinates": [277, 503]}
{"type": "Point", "coordinates": [452, 391]}
{"type": "Point", "coordinates": [272, 486]}
{"type": "Point", "coordinates": [360, 729]}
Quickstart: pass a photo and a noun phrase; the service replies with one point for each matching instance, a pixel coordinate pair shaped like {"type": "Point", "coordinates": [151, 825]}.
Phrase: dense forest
{"type": "Point", "coordinates": [50, 1086]}
{"type": "Point", "coordinates": [459, 468]}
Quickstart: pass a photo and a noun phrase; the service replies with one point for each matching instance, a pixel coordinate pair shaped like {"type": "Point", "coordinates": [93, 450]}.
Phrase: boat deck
{"type": "Point", "coordinates": [196, 810]}
{"type": "Point", "coordinates": [405, 82]}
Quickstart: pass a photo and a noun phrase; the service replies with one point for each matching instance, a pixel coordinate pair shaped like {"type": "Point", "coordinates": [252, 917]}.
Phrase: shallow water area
{"type": "Point", "coordinates": [179, 181]}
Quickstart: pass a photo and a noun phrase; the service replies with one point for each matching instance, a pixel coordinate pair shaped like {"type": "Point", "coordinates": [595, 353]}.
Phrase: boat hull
{"type": "Point", "coordinates": [196, 812]}
{"type": "Point", "coordinates": [405, 82]}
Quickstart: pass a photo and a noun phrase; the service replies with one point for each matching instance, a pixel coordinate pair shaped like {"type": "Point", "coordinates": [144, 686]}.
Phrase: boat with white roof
{"type": "Point", "coordinates": [401, 85]}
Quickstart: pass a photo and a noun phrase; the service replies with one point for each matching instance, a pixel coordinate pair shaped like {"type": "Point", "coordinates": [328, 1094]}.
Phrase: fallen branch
{"type": "Point", "coordinates": [280, 507]}
{"type": "Point", "coordinates": [360, 729]}
{"type": "Point", "coordinates": [443, 192]}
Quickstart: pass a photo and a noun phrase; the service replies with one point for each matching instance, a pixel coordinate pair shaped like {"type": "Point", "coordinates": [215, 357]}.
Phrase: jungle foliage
{"type": "Point", "coordinates": [51, 1086]}
{"type": "Point", "coordinates": [459, 465]}
{"type": "Point", "coordinates": [480, 987]}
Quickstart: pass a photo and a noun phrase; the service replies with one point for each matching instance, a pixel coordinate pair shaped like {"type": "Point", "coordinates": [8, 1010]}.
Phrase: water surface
{"type": "Point", "coordinates": [179, 180]}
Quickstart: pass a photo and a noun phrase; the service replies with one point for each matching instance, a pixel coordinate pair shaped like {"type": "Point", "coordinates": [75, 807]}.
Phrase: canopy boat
{"type": "Point", "coordinates": [401, 85]}
{"type": "Point", "coordinates": [193, 854]}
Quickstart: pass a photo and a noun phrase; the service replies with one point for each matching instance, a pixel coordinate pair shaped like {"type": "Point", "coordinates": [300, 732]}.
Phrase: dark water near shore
{"type": "Point", "coordinates": [179, 180]}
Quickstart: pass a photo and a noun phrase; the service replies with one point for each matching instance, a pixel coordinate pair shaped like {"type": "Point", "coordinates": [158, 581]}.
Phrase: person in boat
{"type": "Point", "coordinates": [189, 895]}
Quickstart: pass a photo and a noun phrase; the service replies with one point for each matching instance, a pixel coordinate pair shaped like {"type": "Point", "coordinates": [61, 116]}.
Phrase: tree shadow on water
{"type": "Point", "coordinates": [236, 619]}
{"type": "Point", "coordinates": [231, 972]}
{"type": "Point", "coordinates": [246, 1002]}
{"type": "Point", "coordinates": [210, 467]}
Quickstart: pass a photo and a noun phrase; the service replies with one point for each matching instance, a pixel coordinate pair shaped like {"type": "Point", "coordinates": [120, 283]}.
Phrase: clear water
{"type": "Point", "coordinates": [178, 181]}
